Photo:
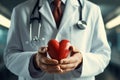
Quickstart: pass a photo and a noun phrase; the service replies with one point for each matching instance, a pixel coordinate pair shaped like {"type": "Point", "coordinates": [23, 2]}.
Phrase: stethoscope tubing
{"type": "Point", "coordinates": [80, 24]}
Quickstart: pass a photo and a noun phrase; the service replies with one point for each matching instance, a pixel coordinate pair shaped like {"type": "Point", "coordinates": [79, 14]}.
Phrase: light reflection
{"type": "Point", "coordinates": [113, 23]}
{"type": "Point", "coordinates": [4, 21]}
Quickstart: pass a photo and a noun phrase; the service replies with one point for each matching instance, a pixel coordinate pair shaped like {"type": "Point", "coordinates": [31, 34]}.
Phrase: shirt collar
{"type": "Point", "coordinates": [50, 1]}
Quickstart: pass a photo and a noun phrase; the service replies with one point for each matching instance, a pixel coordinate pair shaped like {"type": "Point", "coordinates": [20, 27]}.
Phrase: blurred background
{"type": "Point", "coordinates": [111, 14]}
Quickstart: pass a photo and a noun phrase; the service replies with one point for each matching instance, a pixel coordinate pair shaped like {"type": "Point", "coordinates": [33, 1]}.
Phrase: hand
{"type": "Point", "coordinates": [70, 63]}
{"type": "Point", "coordinates": [46, 64]}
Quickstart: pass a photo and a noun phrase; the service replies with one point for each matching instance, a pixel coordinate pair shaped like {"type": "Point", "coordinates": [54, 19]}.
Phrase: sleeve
{"type": "Point", "coordinates": [98, 58]}
{"type": "Point", "coordinates": [16, 59]}
{"type": "Point", "coordinates": [34, 72]}
{"type": "Point", "coordinates": [95, 61]}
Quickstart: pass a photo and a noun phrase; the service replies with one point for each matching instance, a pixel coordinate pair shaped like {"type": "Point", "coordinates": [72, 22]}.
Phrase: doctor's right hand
{"type": "Point", "coordinates": [46, 64]}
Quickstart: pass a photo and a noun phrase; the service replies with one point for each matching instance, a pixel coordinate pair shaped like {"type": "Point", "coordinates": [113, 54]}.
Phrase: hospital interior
{"type": "Point", "coordinates": [111, 15]}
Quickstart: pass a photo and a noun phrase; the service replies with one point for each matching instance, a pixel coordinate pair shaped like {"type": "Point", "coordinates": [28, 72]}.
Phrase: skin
{"type": "Point", "coordinates": [55, 66]}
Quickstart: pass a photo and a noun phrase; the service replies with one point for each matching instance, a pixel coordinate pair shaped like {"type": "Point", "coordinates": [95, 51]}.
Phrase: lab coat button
{"type": "Point", "coordinates": [43, 39]}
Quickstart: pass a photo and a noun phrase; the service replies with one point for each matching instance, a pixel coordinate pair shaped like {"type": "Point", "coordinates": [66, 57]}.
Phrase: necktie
{"type": "Point", "coordinates": [57, 12]}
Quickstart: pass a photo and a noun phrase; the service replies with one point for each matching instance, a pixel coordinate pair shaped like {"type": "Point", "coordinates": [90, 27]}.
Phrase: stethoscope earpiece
{"type": "Point", "coordinates": [81, 25]}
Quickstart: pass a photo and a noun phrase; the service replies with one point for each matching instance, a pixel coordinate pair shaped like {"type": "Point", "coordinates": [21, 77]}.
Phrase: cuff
{"type": "Point", "coordinates": [79, 68]}
{"type": "Point", "coordinates": [34, 71]}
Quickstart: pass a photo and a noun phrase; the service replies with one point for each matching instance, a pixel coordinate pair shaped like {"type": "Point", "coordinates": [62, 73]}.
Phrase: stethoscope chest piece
{"type": "Point", "coordinates": [81, 25]}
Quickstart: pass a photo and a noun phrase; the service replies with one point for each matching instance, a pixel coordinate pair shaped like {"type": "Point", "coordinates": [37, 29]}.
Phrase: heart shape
{"type": "Point", "coordinates": [58, 50]}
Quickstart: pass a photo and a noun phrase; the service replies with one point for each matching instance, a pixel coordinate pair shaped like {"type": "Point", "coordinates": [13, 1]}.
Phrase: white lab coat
{"type": "Point", "coordinates": [91, 42]}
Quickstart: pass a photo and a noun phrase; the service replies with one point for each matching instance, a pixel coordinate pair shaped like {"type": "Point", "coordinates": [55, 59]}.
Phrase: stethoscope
{"type": "Point", "coordinates": [81, 24]}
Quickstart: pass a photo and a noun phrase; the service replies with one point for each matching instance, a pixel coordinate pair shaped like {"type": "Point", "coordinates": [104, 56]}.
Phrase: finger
{"type": "Point", "coordinates": [73, 49]}
{"type": "Point", "coordinates": [68, 66]}
{"type": "Point", "coordinates": [48, 61]}
{"type": "Point", "coordinates": [68, 60]}
{"type": "Point", "coordinates": [50, 68]}
{"type": "Point", "coordinates": [53, 69]}
{"type": "Point", "coordinates": [42, 50]}
{"type": "Point", "coordinates": [76, 58]}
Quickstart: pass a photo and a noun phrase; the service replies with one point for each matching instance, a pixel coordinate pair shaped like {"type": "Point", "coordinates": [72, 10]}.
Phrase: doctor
{"type": "Point", "coordinates": [25, 53]}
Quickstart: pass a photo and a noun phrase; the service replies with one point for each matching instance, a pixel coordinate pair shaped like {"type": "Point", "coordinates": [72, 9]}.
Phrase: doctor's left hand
{"type": "Point", "coordinates": [72, 62]}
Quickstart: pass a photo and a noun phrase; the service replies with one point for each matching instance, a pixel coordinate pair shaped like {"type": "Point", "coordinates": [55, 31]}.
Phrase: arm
{"type": "Point", "coordinates": [16, 59]}
{"type": "Point", "coordinates": [95, 61]}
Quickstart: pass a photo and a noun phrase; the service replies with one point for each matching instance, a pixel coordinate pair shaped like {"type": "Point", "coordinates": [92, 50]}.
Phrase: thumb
{"type": "Point", "coordinates": [74, 49]}
{"type": "Point", "coordinates": [43, 51]}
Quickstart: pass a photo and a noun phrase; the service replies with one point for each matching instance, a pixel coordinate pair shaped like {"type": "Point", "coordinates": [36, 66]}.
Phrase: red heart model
{"type": "Point", "coordinates": [58, 50]}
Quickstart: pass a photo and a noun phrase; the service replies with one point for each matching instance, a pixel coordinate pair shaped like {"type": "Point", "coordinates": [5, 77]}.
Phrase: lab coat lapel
{"type": "Point", "coordinates": [70, 10]}
{"type": "Point", "coordinates": [46, 12]}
